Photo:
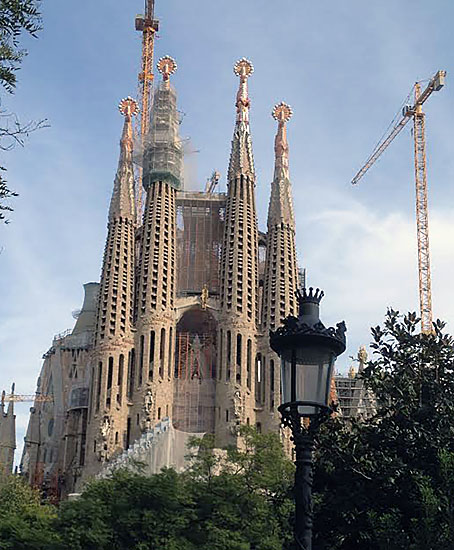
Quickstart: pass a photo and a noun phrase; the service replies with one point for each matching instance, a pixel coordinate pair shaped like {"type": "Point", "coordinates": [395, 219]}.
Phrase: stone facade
{"type": "Point", "coordinates": [185, 304]}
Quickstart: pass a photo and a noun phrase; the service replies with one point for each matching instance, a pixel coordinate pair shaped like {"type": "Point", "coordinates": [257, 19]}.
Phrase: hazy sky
{"type": "Point", "coordinates": [344, 67]}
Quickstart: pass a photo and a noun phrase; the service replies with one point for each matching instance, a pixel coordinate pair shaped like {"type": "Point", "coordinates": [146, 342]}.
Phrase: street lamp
{"type": "Point", "coordinates": [308, 351]}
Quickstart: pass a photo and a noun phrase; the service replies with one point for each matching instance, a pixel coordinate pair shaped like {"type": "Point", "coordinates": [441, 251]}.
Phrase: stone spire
{"type": "Point", "coordinates": [281, 272]}
{"type": "Point", "coordinates": [7, 435]}
{"type": "Point", "coordinates": [117, 277]}
{"type": "Point", "coordinates": [114, 341]}
{"type": "Point", "coordinates": [122, 203]}
{"type": "Point", "coordinates": [239, 277]}
{"type": "Point", "coordinates": [152, 378]}
{"type": "Point", "coordinates": [281, 206]}
{"type": "Point", "coordinates": [241, 158]}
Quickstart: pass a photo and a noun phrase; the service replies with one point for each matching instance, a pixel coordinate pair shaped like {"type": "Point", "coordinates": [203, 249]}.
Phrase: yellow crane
{"type": "Point", "coordinates": [416, 113]}
{"type": "Point", "coordinates": [148, 26]}
{"type": "Point", "coordinates": [22, 398]}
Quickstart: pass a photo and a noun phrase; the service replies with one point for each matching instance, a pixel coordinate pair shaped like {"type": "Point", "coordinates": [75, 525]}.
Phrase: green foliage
{"type": "Point", "coordinates": [388, 482]}
{"type": "Point", "coordinates": [383, 483]}
{"type": "Point", "coordinates": [16, 17]}
{"type": "Point", "coordinates": [232, 500]}
{"type": "Point", "coordinates": [25, 524]}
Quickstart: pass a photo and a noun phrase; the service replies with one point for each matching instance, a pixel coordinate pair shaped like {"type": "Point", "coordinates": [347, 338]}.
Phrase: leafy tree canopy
{"type": "Point", "coordinates": [388, 482]}
{"type": "Point", "coordinates": [25, 523]}
{"type": "Point", "coordinates": [380, 483]}
{"type": "Point", "coordinates": [237, 500]}
{"type": "Point", "coordinates": [16, 18]}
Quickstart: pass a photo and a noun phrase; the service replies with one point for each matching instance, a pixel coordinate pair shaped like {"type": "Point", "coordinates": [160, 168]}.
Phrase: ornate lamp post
{"type": "Point", "coordinates": [308, 351]}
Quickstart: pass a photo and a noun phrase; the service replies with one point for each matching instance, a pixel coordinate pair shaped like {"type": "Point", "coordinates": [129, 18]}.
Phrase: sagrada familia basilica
{"type": "Point", "coordinates": [175, 334]}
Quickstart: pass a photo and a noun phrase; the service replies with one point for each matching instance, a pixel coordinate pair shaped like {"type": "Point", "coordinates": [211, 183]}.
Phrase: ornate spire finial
{"type": "Point", "coordinates": [243, 68]}
{"type": "Point", "coordinates": [282, 112]}
{"type": "Point", "coordinates": [167, 66]}
{"type": "Point", "coordinates": [128, 107]}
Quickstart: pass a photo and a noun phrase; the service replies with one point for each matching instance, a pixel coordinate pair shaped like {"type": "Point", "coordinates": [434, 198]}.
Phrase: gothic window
{"type": "Point", "coordinates": [98, 393]}
{"type": "Point", "coordinates": [162, 352]}
{"type": "Point", "coordinates": [151, 355]}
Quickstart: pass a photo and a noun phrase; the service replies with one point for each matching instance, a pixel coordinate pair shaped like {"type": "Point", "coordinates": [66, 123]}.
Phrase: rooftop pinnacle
{"type": "Point", "coordinates": [281, 206]}
{"type": "Point", "coordinates": [282, 113]}
{"type": "Point", "coordinates": [122, 203]}
{"type": "Point", "coordinates": [241, 159]}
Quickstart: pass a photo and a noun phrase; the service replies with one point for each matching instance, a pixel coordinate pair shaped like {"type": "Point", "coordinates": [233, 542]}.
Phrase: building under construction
{"type": "Point", "coordinates": [177, 328]}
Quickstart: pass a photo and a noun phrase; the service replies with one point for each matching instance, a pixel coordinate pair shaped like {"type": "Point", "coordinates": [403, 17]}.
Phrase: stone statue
{"type": "Point", "coordinates": [105, 428]}
{"type": "Point", "coordinates": [148, 402]}
{"type": "Point", "coordinates": [237, 404]}
{"type": "Point", "coordinates": [362, 357]}
{"type": "Point", "coordinates": [204, 297]}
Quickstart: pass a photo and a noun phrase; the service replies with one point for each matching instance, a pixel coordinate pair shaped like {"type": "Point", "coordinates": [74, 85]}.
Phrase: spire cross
{"type": "Point", "coordinates": [243, 68]}
{"type": "Point", "coordinates": [282, 112]}
{"type": "Point", "coordinates": [166, 66]}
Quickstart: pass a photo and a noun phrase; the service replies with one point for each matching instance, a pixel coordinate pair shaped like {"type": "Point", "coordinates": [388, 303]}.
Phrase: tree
{"type": "Point", "coordinates": [232, 500]}
{"type": "Point", "coordinates": [16, 17]}
{"type": "Point", "coordinates": [388, 482]}
{"type": "Point", "coordinates": [25, 523]}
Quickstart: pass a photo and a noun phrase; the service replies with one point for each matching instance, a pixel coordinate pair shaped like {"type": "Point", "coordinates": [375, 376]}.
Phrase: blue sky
{"type": "Point", "coordinates": [344, 67]}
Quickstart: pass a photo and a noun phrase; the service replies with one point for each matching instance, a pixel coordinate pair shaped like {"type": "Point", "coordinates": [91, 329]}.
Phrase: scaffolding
{"type": "Point", "coordinates": [353, 397]}
{"type": "Point", "coordinates": [163, 151]}
{"type": "Point", "coordinates": [200, 228]}
{"type": "Point", "coordinates": [195, 372]}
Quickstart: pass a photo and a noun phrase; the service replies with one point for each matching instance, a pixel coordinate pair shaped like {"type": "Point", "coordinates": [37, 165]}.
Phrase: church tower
{"type": "Point", "coordinates": [281, 272]}
{"type": "Point", "coordinates": [113, 354]}
{"type": "Point", "coordinates": [7, 434]}
{"type": "Point", "coordinates": [151, 376]}
{"type": "Point", "coordinates": [239, 278]}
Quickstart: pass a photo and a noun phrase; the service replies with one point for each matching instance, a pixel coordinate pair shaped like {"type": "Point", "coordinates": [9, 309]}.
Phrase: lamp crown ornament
{"type": "Point", "coordinates": [309, 295]}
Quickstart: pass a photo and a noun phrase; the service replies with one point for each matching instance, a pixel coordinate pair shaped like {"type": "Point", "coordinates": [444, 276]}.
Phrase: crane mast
{"type": "Point", "coordinates": [148, 26]}
{"type": "Point", "coordinates": [422, 212]}
{"type": "Point", "coordinates": [422, 215]}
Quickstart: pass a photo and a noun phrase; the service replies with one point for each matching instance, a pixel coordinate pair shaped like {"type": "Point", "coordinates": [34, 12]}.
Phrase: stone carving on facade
{"type": "Point", "coordinates": [238, 411]}
{"type": "Point", "coordinates": [204, 297]}
{"type": "Point", "coordinates": [105, 431]}
{"type": "Point", "coordinates": [105, 428]}
{"type": "Point", "coordinates": [237, 405]}
{"type": "Point", "coordinates": [147, 409]}
{"type": "Point", "coordinates": [362, 358]}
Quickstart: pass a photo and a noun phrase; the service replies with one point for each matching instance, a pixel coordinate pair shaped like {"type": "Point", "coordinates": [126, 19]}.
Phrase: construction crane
{"type": "Point", "coordinates": [416, 113]}
{"type": "Point", "coordinates": [148, 26]}
{"type": "Point", "coordinates": [212, 182]}
{"type": "Point", "coordinates": [22, 398]}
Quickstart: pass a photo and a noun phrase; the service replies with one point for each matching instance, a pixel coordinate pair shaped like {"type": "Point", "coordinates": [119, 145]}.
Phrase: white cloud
{"type": "Point", "coordinates": [366, 261]}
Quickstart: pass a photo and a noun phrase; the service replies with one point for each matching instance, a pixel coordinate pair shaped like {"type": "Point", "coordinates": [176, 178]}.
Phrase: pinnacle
{"type": "Point", "coordinates": [122, 203]}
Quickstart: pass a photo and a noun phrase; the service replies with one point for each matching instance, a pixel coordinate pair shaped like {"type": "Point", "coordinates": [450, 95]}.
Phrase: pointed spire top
{"type": "Point", "coordinates": [122, 203]}
{"type": "Point", "coordinates": [128, 107]}
{"type": "Point", "coordinates": [167, 66]}
{"type": "Point", "coordinates": [10, 411]}
{"type": "Point", "coordinates": [281, 204]}
{"type": "Point", "coordinates": [282, 112]}
{"type": "Point", "coordinates": [243, 68]}
{"type": "Point", "coordinates": [241, 158]}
